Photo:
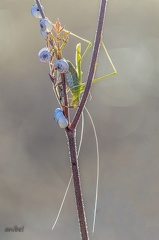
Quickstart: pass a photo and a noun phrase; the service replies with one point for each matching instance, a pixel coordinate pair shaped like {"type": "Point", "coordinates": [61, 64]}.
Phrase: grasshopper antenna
{"type": "Point", "coordinates": [79, 148]}
{"type": "Point", "coordinates": [97, 180]}
{"type": "Point", "coordinates": [60, 209]}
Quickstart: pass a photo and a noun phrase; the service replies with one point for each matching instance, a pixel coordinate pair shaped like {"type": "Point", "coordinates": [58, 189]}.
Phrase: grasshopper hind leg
{"type": "Point", "coordinates": [111, 63]}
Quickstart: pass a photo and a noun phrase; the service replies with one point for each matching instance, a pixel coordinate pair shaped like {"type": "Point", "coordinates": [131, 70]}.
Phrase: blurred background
{"type": "Point", "coordinates": [34, 160]}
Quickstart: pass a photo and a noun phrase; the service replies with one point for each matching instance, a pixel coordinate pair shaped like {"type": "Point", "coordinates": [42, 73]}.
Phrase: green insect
{"type": "Point", "coordinates": [73, 74]}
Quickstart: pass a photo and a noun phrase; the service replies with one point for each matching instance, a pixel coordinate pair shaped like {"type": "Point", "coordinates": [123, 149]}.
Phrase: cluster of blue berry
{"type": "Point", "coordinates": [46, 54]}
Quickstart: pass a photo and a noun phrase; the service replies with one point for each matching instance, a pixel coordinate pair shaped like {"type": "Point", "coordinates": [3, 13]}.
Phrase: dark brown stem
{"type": "Point", "coordinates": [40, 9]}
{"type": "Point", "coordinates": [70, 132]}
{"type": "Point", "coordinates": [71, 136]}
{"type": "Point", "coordinates": [93, 63]}
{"type": "Point", "coordinates": [65, 107]}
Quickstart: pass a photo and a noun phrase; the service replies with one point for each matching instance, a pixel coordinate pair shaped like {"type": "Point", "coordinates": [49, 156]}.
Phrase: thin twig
{"type": "Point", "coordinates": [70, 132]}
{"type": "Point", "coordinates": [93, 63]}
{"type": "Point", "coordinates": [71, 135]}
{"type": "Point", "coordinates": [65, 107]}
{"type": "Point", "coordinates": [40, 9]}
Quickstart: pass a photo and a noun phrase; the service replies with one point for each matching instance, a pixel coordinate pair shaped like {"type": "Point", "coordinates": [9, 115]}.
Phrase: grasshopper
{"type": "Point", "coordinates": [73, 74]}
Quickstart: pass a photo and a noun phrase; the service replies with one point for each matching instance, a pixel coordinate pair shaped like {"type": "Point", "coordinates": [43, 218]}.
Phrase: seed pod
{"type": "Point", "coordinates": [60, 118]}
{"type": "Point", "coordinates": [62, 65]}
{"type": "Point", "coordinates": [43, 33]}
{"type": "Point", "coordinates": [45, 25]}
{"type": "Point", "coordinates": [44, 55]}
{"type": "Point", "coordinates": [57, 113]}
{"type": "Point", "coordinates": [35, 11]}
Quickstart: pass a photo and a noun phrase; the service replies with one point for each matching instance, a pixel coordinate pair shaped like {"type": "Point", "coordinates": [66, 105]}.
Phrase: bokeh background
{"type": "Point", "coordinates": [34, 160]}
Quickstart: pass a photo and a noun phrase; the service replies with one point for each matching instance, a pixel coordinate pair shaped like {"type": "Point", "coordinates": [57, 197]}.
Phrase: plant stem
{"type": "Point", "coordinates": [93, 63]}
{"type": "Point", "coordinates": [65, 107]}
{"type": "Point", "coordinates": [40, 9]}
{"type": "Point", "coordinates": [71, 136]}
{"type": "Point", "coordinates": [70, 132]}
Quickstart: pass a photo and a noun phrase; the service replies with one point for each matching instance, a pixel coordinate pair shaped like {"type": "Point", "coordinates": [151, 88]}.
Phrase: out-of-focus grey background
{"type": "Point", "coordinates": [34, 161]}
